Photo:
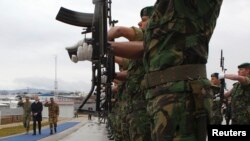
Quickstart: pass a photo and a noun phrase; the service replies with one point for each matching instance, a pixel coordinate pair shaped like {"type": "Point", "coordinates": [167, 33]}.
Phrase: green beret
{"type": "Point", "coordinates": [244, 65]}
{"type": "Point", "coordinates": [216, 74]}
{"type": "Point", "coordinates": [147, 11]}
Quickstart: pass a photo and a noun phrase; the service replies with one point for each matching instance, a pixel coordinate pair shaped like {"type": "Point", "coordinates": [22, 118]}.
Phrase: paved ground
{"type": "Point", "coordinates": [86, 130]}
{"type": "Point", "coordinates": [45, 132]}
{"type": "Point", "coordinates": [61, 120]}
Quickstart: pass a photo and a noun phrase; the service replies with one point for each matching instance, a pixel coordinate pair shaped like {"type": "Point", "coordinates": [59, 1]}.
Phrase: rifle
{"type": "Point", "coordinates": [102, 58]}
{"type": "Point", "coordinates": [222, 81]}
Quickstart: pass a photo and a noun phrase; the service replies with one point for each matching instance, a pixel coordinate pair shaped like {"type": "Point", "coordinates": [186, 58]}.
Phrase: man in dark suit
{"type": "Point", "coordinates": [36, 109]}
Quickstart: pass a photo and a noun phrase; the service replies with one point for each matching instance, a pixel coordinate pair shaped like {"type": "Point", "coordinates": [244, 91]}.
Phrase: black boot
{"type": "Point", "coordinates": [55, 125]}
{"type": "Point", "coordinates": [51, 131]}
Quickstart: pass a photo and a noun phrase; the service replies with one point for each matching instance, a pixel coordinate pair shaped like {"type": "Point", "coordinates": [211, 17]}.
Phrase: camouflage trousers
{"type": "Point", "coordinates": [139, 125]}
{"type": "Point", "coordinates": [217, 117]}
{"type": "Point", "coordinates": [115, 123]}
{"type": "Point", "coordinates": [241, 117]}
{"type": "Point", "coordinates": [120, 125]}
{"type": "Point", "coordinates": [26, 121]}
{"type": "Point", "coordinates": [177, 118]}
{"type": "Point", "coordinates": [53, 120]}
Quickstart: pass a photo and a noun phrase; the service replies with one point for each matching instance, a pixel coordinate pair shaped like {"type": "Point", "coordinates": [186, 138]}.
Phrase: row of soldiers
{"type": "Point", "coordinates": [129, 119]}
{"type": "Point", "coordinates": [164, 94]}
{"type": "Point", "coordinates": [34, 110]}
{"type": "Point", "coordinates": [236, 101]}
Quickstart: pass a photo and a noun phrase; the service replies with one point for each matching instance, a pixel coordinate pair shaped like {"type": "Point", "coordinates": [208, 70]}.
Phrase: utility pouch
{"type": "Point", "coordinates": [200, 91]}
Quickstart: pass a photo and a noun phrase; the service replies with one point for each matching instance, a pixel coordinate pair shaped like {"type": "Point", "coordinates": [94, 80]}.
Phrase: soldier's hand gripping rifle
{"type": "Point", "coordinates": [103, 65]}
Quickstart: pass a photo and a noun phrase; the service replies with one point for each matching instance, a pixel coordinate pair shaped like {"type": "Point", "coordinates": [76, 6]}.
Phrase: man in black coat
{"type": "Point", "coordinates": [36, 109]}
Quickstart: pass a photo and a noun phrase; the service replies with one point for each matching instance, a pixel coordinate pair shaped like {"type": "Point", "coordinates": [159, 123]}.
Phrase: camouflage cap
{"type": "Point", "coordinates": [244, 65]}
{"type": "Point", "coordinates": [147, 11]}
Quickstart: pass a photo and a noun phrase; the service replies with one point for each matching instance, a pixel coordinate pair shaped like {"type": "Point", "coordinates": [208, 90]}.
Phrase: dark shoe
{"type": "Point", "coordinates": [55, 130]}
{"type": "Point", "coordinates": [34, 134]}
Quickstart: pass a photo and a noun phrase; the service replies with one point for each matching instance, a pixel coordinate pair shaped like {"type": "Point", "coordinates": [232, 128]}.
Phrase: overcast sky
{"type": "Point", "coordinates": [30, 38]}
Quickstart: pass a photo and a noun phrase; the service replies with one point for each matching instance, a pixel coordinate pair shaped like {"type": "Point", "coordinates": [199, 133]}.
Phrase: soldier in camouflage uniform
{"type": "Point", "coordinates": [136, 114]}
{"type": "Point", "coordinates": [217, 117]}
{"type": "Point", "coordinates": [53, 110]}
{"type": "Point", "coordinates": [240, 95]}
{"type": "Point", "coordinates": [176, 50]}
{"type": "Point", "coordinates": [138, 118]}
{"type": "Point", "coordinates": [26, 112]}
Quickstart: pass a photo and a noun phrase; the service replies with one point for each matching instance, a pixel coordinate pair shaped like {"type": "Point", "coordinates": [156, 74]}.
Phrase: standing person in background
{"type": "Point", "coordinates": [240, 95]}
{"type": "Point", "coordinates": [53, 114]}
{"type": "Point", "coordinates": [36, 109]}
{"type": "Point", "coordinates": [76, 113]}
{"type": "Point", "coordinates": [26, 112]}
{"type": "Point", "coordinates": [90, 114]}
{"type": "Point", "coordinates": [217, 117]}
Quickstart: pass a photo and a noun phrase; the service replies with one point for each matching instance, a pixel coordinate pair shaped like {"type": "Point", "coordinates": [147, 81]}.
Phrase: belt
{"type": "Point", "coordinates": [177, 73]}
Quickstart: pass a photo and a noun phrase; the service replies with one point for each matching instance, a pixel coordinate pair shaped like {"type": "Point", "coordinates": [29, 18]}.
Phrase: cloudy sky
{"type": "Point", "coordinates": [30, 38]}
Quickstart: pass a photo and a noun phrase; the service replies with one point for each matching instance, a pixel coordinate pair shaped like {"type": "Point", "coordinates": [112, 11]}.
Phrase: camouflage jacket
{"type": "Point", "coordinates": [241, 103]}
{"type": "Point", "coordinates": [134, 78]}
{"type": "Point", "coordinates": [178, 33]}
{"type": "Point", "coordinates": [26, 107]}
{"type": "Point", "coordinates": [53, 109]}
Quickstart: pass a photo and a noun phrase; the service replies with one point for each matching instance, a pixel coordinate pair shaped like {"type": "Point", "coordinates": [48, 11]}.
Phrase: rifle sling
{"type": "Point", "coordinates": [177, 73]}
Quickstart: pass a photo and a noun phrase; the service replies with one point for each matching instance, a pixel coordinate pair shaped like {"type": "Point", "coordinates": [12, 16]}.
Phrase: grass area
{"type": "Point", "coordinates": [17, 129]}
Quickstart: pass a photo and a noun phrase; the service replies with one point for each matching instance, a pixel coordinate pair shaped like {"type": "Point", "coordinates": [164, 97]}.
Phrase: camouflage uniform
{"type": "Point", "coordinates": [124, 131]}
{"type": "Point", "coordinates": [119, 113]}
{"type": "Point", "coordinates": [53, 110]}
{"type": "Point", "coordinates": [138, 119]}
{"type": "Point", "coordinates": [26, 113]}
{"type": "Point", "coordinates": [216, 114]}
{"type": "Point", "coordinates": [176, 50]}
{"type": "Point", "coordinates": [240, 103]}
